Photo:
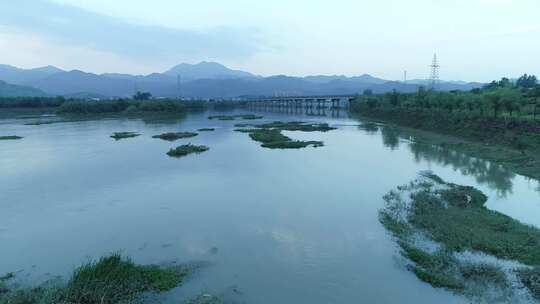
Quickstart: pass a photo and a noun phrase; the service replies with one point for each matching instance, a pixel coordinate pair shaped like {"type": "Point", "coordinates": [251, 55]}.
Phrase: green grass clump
{"type": "Point", "coordinates": [222, 117]}
{"type": "Point", "coordinates": [172, 136]}
{"type": "Point", "coordinates": [249, 116]}
{"type": "Point", "coordinates": [468, 225]}
{"type": "Point", "coordinates": [248, 130]}
{"type": "Point", "coordinates": [234, 117]}
{"type": "Point", "coordinates": [531, 280]}
{"type": "Point", "coordinates": [206, 130]}
{"type": "Point", "coordinates": [296, 126]}
{"type": "Point", "coordinates": [122, 135]}
{"type": "Point", "coordinates": [184, 150]}
{"type": "Point", "coordinates": [10, 137]}
{"type": "Point", "coordinates": [455, 219]}
{"type": "Point", "coordinates": [274, 139]}
{"type": "Point", "coordinates": [293, 144]}
{"type": "Point", "coordinates": [110, 280]}
{"type": "Point", "coordinates": [48, 122]}
{"type": "Point", "coordinates": [114, 279]}
{"type": "Point", "coordinates": [270, 136]}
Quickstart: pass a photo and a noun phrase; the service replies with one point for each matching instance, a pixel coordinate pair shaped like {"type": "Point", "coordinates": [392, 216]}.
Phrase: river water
{"type": "Point", "coordinates": [276, 226]}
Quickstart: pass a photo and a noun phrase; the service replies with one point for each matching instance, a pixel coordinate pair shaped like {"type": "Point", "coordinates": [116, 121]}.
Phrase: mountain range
{"type": "Point", "coordinates": [202, 80]}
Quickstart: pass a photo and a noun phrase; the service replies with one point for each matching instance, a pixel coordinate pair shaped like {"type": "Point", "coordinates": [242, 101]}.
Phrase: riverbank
{"type": "Point", "coordinates": [515, 145]}
{"type": "Point", "coordinates": [451, 240]}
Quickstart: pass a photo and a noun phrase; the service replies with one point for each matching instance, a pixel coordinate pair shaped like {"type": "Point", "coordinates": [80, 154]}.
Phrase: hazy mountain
{"type": "Point", "coordinates": [15, 75]}
{"type": "Point", "coordinates": [76, 81]}
{"type": "Point", "coordinates": [11, 90]}
{"type": "Point", "coordinates": [206, 80]}
{"type": "Point", "coordinates": [205, 70]}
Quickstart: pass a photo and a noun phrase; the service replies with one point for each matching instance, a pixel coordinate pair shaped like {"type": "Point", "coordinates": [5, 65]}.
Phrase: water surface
{"type": "Point", "coordinates": [278, 226]}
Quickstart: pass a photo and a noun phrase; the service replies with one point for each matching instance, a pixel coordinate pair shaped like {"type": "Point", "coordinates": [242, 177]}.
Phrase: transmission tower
{"type": "Point", "coordinates": [434, 78]}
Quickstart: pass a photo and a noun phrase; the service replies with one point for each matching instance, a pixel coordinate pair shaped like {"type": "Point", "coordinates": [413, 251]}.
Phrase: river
{"type": "Point", "coordinates": [277, 226]}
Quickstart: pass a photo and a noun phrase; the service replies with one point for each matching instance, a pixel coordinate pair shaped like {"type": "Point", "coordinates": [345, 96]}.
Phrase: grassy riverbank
{"type": "Point", "coordinates": [498, 123]}
{"type": "Point", "coordinates": [452, 241]}
{"type": "Point", "coordinates": [110, 280]}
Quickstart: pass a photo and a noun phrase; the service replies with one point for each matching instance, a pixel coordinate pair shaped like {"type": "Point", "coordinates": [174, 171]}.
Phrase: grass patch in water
{"type": "Point", "coordinates": [221, 117]}
{"type": "Point", "coordinates": [172, 136]}
{"type": "Point", "coordinates": [274, 139]}
{"type": "Point", "coordinates": [293, 144]}
{"type": "Point", "coordinates": [454, 218]}
{"type": "Point", "coordinates": [234, 117]}
{"type": "Point", "coordinates": [110, 280]}
{"type": "Point", "coordinates": [296, 126]}
{"type": "Point", "coordinates": [206, 129]}
{"type": "Point", "coordinates": [123, 135]}
{"type": "Point", "coordinates": [184, 150]}
{"type": "Point", "coordinates": [270, 135]}
{"type": "Point", "coordinates": [10, 137]}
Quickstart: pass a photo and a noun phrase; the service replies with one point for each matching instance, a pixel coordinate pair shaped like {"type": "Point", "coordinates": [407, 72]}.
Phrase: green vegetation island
{"type": "Point", "coordinates": [185, 150]}
{"type": "Point", "coordinates": [172, 136]}
{"type": "Point", "coordinates": [234, 117]}
{"type": "Point", "coordinates": [10, 137]}
{"type": "Point", "coordinates": [270, 134]}
{"type": "Point", "coordinates": [110, 280]}
{"type": "Point", "coordinates": [498, 122]}
{"type": "Point", "coordinates": [124, 135]}
{"type": "Point", "coordinates": [451, 240]}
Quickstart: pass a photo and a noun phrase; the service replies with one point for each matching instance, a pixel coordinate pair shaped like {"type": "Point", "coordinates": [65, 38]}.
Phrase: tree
{"type": "Point", "coordinates": [505, 82]}
{"type": "Point", "coordinates": [372, 102]}
{"type": "Point", "coordinates": [527, 81]}
{"type": "Point", "coordinates": [494, 101]}
{"type": "Point", "coordinates": [420, 97]}
{"type": "Point", "coordinates": [394, 98]}
{"type": "Point", "coordinates": [535, 95]}
{"type": "Point", "coordinates": [142, 96]}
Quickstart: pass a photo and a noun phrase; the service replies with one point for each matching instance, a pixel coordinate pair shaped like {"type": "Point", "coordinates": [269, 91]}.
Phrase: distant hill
{"type": "Point", "coordinates": [13, 75]}
{"type": "Point", "coordinates": [204, 80]}
{"type": "Point", "coordinates": [205, 70]}
{"type": "Point", "coordinates": [74, 82]}
{"type": "Point", "coordinates": [11, 90]}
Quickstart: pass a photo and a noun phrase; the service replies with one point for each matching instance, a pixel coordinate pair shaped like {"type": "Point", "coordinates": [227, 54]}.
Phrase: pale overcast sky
{"type": "Point", "coordinates": [475, 40]}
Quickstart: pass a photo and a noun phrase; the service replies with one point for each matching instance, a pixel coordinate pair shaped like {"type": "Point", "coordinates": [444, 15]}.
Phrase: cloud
{"type": "Point", "coordinates": [69, 25]}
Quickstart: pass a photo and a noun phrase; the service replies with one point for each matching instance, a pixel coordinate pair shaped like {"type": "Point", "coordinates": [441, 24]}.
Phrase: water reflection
{"type": "Point", "coordinates": [493, 175]}
{"type": "Point", "coordinates": [390, 137]}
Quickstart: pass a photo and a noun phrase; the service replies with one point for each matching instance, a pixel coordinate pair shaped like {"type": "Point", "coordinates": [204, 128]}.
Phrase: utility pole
{"type": "Point", "coordinates": [405, 77]}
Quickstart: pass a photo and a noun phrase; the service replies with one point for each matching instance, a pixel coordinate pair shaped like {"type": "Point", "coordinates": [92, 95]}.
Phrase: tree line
{"type": "Point", "coordinates": [498, 99]}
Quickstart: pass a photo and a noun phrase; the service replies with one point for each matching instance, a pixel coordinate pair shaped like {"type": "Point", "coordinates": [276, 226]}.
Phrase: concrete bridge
{"type": "Point", "coordinates": [319, 102]}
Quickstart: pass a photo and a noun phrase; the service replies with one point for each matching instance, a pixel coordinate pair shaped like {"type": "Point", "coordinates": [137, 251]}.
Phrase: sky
{"type": "Point", "coordinates": [475, 40]}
